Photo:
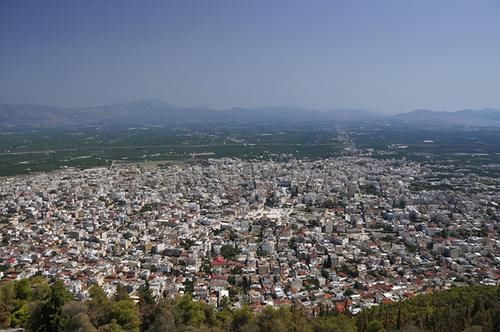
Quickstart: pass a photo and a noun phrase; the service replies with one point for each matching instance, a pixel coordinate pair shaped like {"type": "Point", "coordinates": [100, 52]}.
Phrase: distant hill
{"type": "Point", "coordinates": [157, 112]}
{"type": "Point", "coordinates": [479, 118]}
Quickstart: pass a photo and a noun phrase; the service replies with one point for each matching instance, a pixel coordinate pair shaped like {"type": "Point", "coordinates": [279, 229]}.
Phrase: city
{"type": "Point", "coordinates": [249, 166]}
{"type": "Point", "coordinates": [343, 233]}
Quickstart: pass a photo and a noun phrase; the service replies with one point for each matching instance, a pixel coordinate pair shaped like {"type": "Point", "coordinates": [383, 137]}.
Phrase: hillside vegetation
{"type": "Point", "coordinates": [36, 305]}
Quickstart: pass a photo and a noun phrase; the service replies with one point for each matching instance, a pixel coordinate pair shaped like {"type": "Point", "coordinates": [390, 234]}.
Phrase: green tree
{"type": "Point", "coordinates": [112, 326]}
{"type": "Point", "coordinates": [225, 317]}
{"type": "Point", "coordinates": [300, 322]}
{"type": "Point", "coordinates": [99, 306]}
{"type": "Point", "coordinates": [146, 306]}
{"type": "Point", "coordinates": [164, 319]}
{"type": "Point", "coordinates": [23, 289]}
{"type": "Point", "coordinates": [229, 252]}
{"type": "Point", "coordinates": [188, 286]}
{"type": "Point", "coordinates": [126, 315]}
{"type": "Point", "coordinates": [121, 293]}
{"type": "Point", "coordinates": [241, 318]}
{"type": "Point", "coordinates": [40, 289]}
{"type": "Point", "coordinates": [275, 320]}
{"type": "Point", "coordinates": [376, 326]}
{"type": "Point", "coordinates": [5, 319]}
{"type": "Point", "coordinates": [81, 323]}
{"type": "Point", "coordinates": [7, 301]}
{"type": "Point", "coordinates": [21, 316]}
{"type": "Point", "coordinates": [51, 318]}
{"type": "Point", "coordinates": [76, 317]}
{"type": "Point", "coordinates": [334, 323]}
{"type": "Point", "coordinates": [189, 312]}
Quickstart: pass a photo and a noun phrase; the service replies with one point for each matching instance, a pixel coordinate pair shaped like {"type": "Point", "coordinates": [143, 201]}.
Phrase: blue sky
{"type": "Point", "coordinates": [385, 56]}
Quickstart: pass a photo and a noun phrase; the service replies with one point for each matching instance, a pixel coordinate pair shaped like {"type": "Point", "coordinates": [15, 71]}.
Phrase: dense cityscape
{"type": "Point", "coordinates": [345, 233]}
{"type": "Point", "coordinates": [249, 166]}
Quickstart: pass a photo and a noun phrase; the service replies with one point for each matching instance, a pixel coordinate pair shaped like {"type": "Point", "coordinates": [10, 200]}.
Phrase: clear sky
{"type": "Point", "coordinates": [386, 56]}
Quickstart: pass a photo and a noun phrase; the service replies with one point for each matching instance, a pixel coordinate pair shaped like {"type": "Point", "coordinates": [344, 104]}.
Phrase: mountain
{"type": "Point", "coordinates": [120, 114]}
{"type": "Point", "coordinates": [471, 118]}
{"type": "Point", "coordinates": [157, 112]}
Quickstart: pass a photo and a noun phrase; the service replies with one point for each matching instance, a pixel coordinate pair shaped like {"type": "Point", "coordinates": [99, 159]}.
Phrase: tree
{"type": "Point", "coordinates": [206, 267]}
{"type": "Point", "coordinates": [469, 308]}
{"type": "Point", "coordinates": [99, 306]}
{"type": "Point", "coordinates": [51, 317]}
{"type": "Point", "coordinates": [376, 326]}
{"type": "Point", "coordinates": [328, 262]}
{"type": "Point", "coordinates": [245, 284]}
{"type": "Point", "coordinates": [336, 323]}
{"type": "Point", "coordinates": [188, 286]}
{"type": "Point", "coordinates": [40, 289]}
{"type": "Point", "coordinates": [164, 319]}
{"type": "Point", "coordinates": [275, 320]}
{"type": "Point", "coordinates": [23, 289]}
{"type": "Point", "coordinates": [5, 319]}
{"type": "Point", "coordinates": [112, 326]}
{"type": "Point", "coordinates": [146, 306]}
{"type": "Point", "coordinates": [189, 312]}
{"type": "Point", "coordinates": [225, 316]}
{"type": "Point", "coordinates": [241, 318]}
{"type": "Point", "coordinates": [299, 319]}
{"type": "Point", "coordinates": [81, 323]}
{"type": "Point", "coordinates": [21, 316]}
{"type": "Point", "coordinates": [76, 317]}
{"type": "Point", "coordinates": [126, 315]}
{"type": "Point", "coordinates": [229, 252]}
{"type": "Point", "coordinates": [121, 293]}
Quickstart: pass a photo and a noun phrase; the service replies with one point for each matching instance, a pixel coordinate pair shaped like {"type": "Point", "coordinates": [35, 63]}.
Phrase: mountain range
{"type": "Point", "coordinates": [157, 112]}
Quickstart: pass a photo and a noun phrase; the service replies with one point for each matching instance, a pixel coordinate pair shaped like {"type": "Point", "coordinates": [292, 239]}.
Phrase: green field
{"type": "Point", "coordinates": [44, 150]}
{"type": "Point", "coordinates": [475, 150]}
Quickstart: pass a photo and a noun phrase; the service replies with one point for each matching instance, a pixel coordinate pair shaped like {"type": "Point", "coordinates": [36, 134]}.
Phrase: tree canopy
{"type": "Point", "coordinates": [37, 305]}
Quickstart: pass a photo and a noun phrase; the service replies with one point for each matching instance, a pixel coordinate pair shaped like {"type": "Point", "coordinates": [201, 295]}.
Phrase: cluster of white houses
{"type": "Point", "coordinates": [343, 233]}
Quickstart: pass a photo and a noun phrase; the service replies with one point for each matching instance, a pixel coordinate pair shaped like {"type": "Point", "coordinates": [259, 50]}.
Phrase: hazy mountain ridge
{"type": "Point", "coordinates": [487, 117]}
{"type": "Point", "coordinates": [157, 112]}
